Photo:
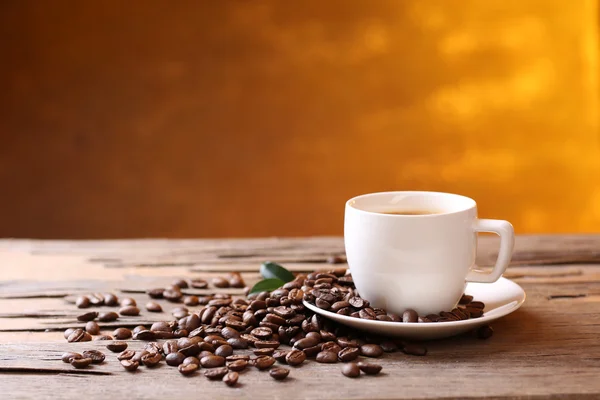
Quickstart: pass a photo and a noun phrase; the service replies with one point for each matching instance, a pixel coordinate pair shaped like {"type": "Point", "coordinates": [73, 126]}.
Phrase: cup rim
{"type": "Point", "coordinates": [472, 203]}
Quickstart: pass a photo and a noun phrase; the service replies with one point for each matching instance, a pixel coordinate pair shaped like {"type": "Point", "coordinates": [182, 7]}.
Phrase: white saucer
{"type": "Point", "coordinates": [501, 298]}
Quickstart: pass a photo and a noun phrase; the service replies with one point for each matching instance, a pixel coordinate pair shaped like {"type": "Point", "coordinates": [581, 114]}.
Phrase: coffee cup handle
{"type": "Point", "coordinates": [507, 241]}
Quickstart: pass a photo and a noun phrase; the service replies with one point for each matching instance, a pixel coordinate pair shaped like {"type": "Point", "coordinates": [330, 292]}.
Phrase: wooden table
{"type": "Point", "coordinates": [550, 348]}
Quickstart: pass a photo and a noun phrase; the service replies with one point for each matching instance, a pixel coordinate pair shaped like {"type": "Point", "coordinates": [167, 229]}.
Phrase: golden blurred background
{"type": "Point", "coordinates": [260, 118]}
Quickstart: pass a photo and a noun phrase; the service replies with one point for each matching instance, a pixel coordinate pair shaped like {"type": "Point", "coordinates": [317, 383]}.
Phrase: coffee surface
{"type": "Point", "coordinates": [411, 212]}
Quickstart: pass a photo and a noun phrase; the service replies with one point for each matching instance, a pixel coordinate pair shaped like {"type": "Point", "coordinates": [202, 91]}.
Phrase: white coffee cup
{"type": "Point", "coordinates": [419, 262]}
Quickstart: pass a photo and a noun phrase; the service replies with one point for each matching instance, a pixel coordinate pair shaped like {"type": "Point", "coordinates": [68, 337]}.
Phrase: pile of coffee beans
{"type": "Point", "coordinates": [219, 336]}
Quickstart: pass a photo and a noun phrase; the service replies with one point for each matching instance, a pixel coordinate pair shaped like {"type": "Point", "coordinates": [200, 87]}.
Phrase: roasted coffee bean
{"type": "Point", "coordinates": [160, 326]}
{"type": "Point", "coordinates": [82, 302]}
{"type": "Point", "coordinates": [153, 306]}
{"type": "Point", "coordinates": [174, 359]}
{"type": "Point", "coordinates": [236, 280]}
{"type": "Point", "coordinates": [262, 344]}
{"type": "Point", "coordinates": [410, 316]}
{"type": "Point", "coordinates": [153, 347]}
{"type": "Point", "coordinates": [475, 312]}
{"type": "Point", "coordinates": [220, 282]}
{"type": "Point", "coordinates": [424, 320]}
{"type": "Point", "coordinates": [173, 294]}
{"type": "Point", "coordinates": [180, 283]}
{"type": "Point", "coordinates": [191, 360]}
{"type": "Point", "coordinates": [128, 302]}
{"type": "Point", "coordinates": [369, 368]}
{"type": "Point", "coordinates": [109, 316]}
{"type": "Point", "coordinates": [384, 317]}
{"type": "Point", "coordinates": [224, 350]}
{"type": "Point", "coordinates": [219, 302]}
{"type": "Point", "coordinates": [312, 351]}
{"type": "Point", "coordinates": [204, 346]}
{"type": "Point", "coordinates": [357, 302]}
{"type": "Point", "coordinates": [145, 335]}
{"type": "Point", "coordinates": [204, 353]}
{"type": "Point", "coordinates": [104, 337]}
{"type": "Point", "coordinates": [68, 332]}
{"type": "Point", "coordinates": [126, 355]}
{"type": "Point", "coordinates": [92, 328]}
{"type": "Point", "coordinates": [235, 357]}
{"type": "Point", "coordinates": [279, 373]}
{"type": "Point", "coordinates": [266, 324]}
{"type": "Point", "coordinates": [306, 343]}
{"type": "Point", "coordinates": [199, 284]}
{"type": "Point", "coordinates": [79, 335]}
{"type": "Point", "coordinates": [263, 362]}
{"type": "Point", "coordinates": [151, 360]}
{"type": "Point", "coordinates": [414, 349]}
{"type": "Point", "coordinates": [371, 350]}
{"type": "Point", "coordinates": [275, 319]}
{"type": "Point", "coordinates": [130, 365]}
{"type": "Point", "coordinates": [284, 312]}
{"type": "Point", "coordinates": [345, 311]}
{"type": "Point", "coordinates": [139, 355]}
{"type": "Point", "coordinates": [348, 354]}
{"type": "Point", "coordinates": [229, 333]}
{"type": "Point", "coordinates": [476, 304]}
{"type": "Point", "coordinates": [96, 299]}
{"type": "Point", "coordinates": [388, 346]}
{"type": "Point", "coordinates": [117, 347]}
{"type": "Point", "coordinates": [88, 316]}
{"type": "Point", "coordinates": [81, 362]}
{"type": "Point", "coordinates": [238, 343]}
{"type": "Point", "coordinates": [262, 333]}
{"type": "Point", "coordinates": [67, 357]}
{"type": "Point", "coordinates": [328, 357]}
{"type": "Point", "coordinates": [191, 350]}
{"type": "Point", "coordinates": [130, 311]}
{"type": "Point", "coordinates": [111, 300]}
{"type": "Point", "coordinates": [170, 346]}
{"type": "Point", "coordinates": [96, 356]}
{"type": "Point", "coordinates": [433, 317]}
{"type": "Point", "coordinates": [191, 301]}
{"type": "Point", "coordinates": [465, 299]}
{"type": "Point", "coordinates": [156, 293]}
{"type": "Point", "coordinates": [212, 361]}
{"type": "Point", "coordinates": [331, 346]}
{"type": "Point", "coordinates": [338, 305]}
{"type": "Point", "coordinates": [280, 355]}
{"type": "Point", "coordinates": [263, 352]}
{"type": "Point", "coordinates": [238, 365]}
{"type": "Point", "coordinates": [322, 304]}
{"type": "Point", "coordinates": [367, 313]}
{"type": "Point", "coordinates": [485, 332]}
{"type": "Point", "coordinates": [187, 369]}
{"type": "Point", "coordinates": [231, 378]}
{"type": "Point", "coordinates": [216, 373]}
{"type": "Point", "coordinates": [138, 328]}
{"type": "Point", "coordinates": [237, 325]}
{"type": "Point", "coordinates": [258, 305]}
{"type": "Point", "coordinates": [122, 333]}
{"type": "Point", "coordinates": [351, 370]}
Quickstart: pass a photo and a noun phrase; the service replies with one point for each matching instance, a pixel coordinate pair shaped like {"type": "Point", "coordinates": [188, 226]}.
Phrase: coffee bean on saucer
{"type": "Point", "coordinates": [465, 299]}
{"type": "Point", "coordinates": [371, 350]}
{"type": "Point", "coordinates": [351, 370]}
{"type": "Point", "coordinates": [476, 304]}
{"type": "Point", "coordinates": [485, 332]}
{"type": "Point", "coordinates": [414, 349]}
{"type": "Point", "coordinates": [369, 368]}
{"type": "Point", "coordinates": [410, 316]}
{"type": "Point", "coordinates": [279, 373]}
{"type": "Point", "coordinates": [117, 347]}
{"type": "Point", "coordinates": [231, 378]}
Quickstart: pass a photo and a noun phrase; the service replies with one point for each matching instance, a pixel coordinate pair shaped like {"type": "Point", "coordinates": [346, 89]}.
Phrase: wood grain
{"type": "Point", "coordinates": [549, 349]}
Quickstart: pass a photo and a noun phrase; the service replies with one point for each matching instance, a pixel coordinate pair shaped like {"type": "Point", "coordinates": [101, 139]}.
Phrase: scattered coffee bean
{"type": "Point", "coordinates": [220, 282]}
{"type": "Point", "coordinates": [79, 335]}
{"type": "Point", "coordinates": [191, 301]}
{"type": "Point", "coordinates": [236, 280]}
{"type": "Point", "coordinates": [181, 283]}
{"type": "Point", "coordinates": [191, 360]}
{"type": "Point", "coordinates": [414, 349]}
{"type": "Point", "coordinates": [104, 337]}
{"type": "Point", "coordinates": [485, 332]}
{"type": "Point", "coordinates": [130, 311]}
{"type": "Point", "coordinates": [238, 365]}
{"type": "Point", "coordinates": [263, 352]}
{"type": "Point", "coordinates": [199, 284]}
{"type": "Point", "coordinates": [81, 362]}
{"type": "Point", "coordinates": [187, 369]}
{"type": "Point", "coordinates": [263, 362]}
{"type": "Point", "coordinates": [82, 302]}
{"type": "Point", "coordinates": [328, 357]}
{"type": "Point", "coordinates": [138, 329]}
{"type": "Point", "coordinates": [92, 328]}
{"type": "Point", "coordinates": [371, 350]}
{"type": "Point", "coordinates": [111, 300]}
{"type": "Point", "coordinates": [151, 360]}
{"type": "Point", "coordinates": [96, 356]}
{"type": "Point", "coordinates": [96, 299]}
{"type": "Point", "coordinates": [174, 359]}
{"type": "Point", "coordinates": [67, 357]}
{"type": "Point", "coordinates": [68, 332]}
{"type": "Point", "coordinates": [351, 370]}
{"type": "Point", "coordinates": [127, 302]}
{"type": "Point", "coordinates": [153, 306]}
{"type": "Point", "coordinates": [88, 316]}
{"type": "Point", "coordinates": [145, 335]}
{"type": "Point", "coordinates": [212, 361]}
{"type": "Point", "coordinates": [279, 373]}
{"type": "Point", "coordinates": [130, 365]}
{"type": "Point", "coordinates": [126, 355]}
{"type": "Point", "coordinates": [108, 316]}
{"type": "Point", "coordinates": [369, 368]}
{"type": "Point", "coordinates": [122, 333]}
{"type": "Point", "coordinates": [173, 294]}
{"type": "Point", "coordinates": [224, 350]}
{"type": "Point", "coordinates": [216, 373]}
{"type": "Point", "coordinates": [156, 293]}
{"type": "Point", "coordinates": [348, 354]}
{"type": "Point", "coordinates": [117, 347]}
{"type": "Point", "coordinates": [388, 346]}
{"type": "Point", "coordinates": [280, 355]}
{"type": "Point", "coordinates": [231, 378]}
{"type": "Point", "coordinates": [295, 357]}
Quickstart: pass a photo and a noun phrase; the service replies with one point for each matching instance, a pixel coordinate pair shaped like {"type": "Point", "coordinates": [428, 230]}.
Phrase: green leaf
{"type": "Point", "coordinates": [271, 270]}
{"type": "Point", "coordinates": [267, 285]}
